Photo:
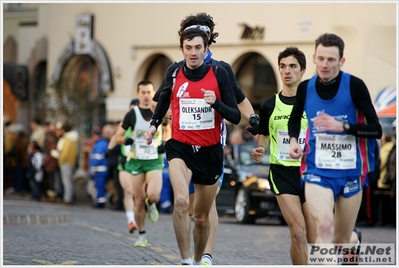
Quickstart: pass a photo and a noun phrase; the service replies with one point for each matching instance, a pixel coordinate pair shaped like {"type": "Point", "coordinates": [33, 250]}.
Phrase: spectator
{"type": "Point", "coordinates": [369, 211]}
{"type": "Point", "coordinates": [21, 184]}
{"type": "Point", "coordinates": [113, 159]}
{"type": "Point", "coordinates": [385, 217]}
{"type": "Point", "coordinates": [88, 146]}
{"type": "Point", "coordinates": [38, 133]}
{"type": "Point", "coordinates": [236, 137]}
{"type": "Point", "coordinates": [9, 155]}
{"type": "Point", "coordinates": [36, 160]}
{"type": "Point", "coordinates": [98, 165]}
{"type": "Point", "coordinates": [391, 170]}
{"type": "Point", "coordinates": [67, 154]}
{"type": "Point", "coordinates": [52, 175]}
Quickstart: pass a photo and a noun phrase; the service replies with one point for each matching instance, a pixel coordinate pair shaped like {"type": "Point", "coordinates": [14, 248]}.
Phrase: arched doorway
{"type": "Point", "coordinates": [256, 78]}
{"type": "Point", "coordinates": [157, 65]}
{"type": "Point", "coordinates": [78, 98]}
{"type": "Point", "coordinates": [39, 90]}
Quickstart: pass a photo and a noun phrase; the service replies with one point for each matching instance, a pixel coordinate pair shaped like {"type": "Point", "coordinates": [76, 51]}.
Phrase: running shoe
{"type": "Point", "coordinates": [141, 242]}
{"type": "Point", "coordinates": [206, 263]}
{"type": "Point", "coordinates": [353, 258]}
{"type": "Point", "coordinates": [359, 236]}
{"type": "Point", "coordinates": [152, 212]}
{"type": "Point", "coordinates": [357, 247]}
{"type": "Point", "coordinates": [132, 227]}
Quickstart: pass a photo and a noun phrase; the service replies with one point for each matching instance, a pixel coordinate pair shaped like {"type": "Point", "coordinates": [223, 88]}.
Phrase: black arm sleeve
{"type": "Point", "coordinates": [129, 120]}
{"type": "Point", "coordinates": [173, 66]}
{"type": "Point", "coordinates": [362, 100]}
{"type": "Point", "coordinates": [227, 107]}
{"type": "Point", "coordinates": [239, 95]}
{"type": "Point", "coordinates": [164, 98]}
{"type": "Point", "coordinates": [265, 112]}
{"type": "Point", "coordinates": [294, 123]}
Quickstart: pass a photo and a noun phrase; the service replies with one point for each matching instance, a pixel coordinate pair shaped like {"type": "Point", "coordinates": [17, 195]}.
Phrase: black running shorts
{"type": "Point", "coordinates": [286, 180]}
{"type": "Point", "coordinates": [206, 163]}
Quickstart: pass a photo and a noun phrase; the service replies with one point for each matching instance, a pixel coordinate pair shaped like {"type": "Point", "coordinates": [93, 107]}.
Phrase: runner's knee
{"type": "Point", "coordinates": [298, 234]}
{"type": "Point", "coordinates": [181, 203]}
{"type": "Point", "coordinates": [201, 221]}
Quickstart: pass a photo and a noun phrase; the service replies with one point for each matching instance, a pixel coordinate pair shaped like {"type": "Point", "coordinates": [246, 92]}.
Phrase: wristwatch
{"type": "Point", "coordinates": [346, 127]}
{"type": "Point", "coordinates": [254, 115]}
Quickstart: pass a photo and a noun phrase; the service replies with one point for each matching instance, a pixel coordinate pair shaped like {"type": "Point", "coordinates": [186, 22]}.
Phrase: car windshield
{"type": "Point", "coordinates": [245, 155]}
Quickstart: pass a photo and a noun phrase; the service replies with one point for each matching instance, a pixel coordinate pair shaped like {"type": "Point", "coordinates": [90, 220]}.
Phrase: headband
{"type": "Point", "coordinates": [201, 27]}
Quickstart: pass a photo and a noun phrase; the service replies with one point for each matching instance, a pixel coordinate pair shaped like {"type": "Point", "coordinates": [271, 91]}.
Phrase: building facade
{"type": "Point", "coordinates": [82, 61]}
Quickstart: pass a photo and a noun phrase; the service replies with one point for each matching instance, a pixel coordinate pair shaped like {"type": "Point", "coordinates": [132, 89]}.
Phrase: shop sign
{"type": "Point", "coordinates": [252, 33]}
{"type": "Point", "coordinates": [83, 34]}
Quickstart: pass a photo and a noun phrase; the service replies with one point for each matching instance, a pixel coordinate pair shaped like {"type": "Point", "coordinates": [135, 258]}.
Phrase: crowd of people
{"type": "Point", "coordinates": [331, 167]}
{"type": "Point", "coordinates": [47, 164]}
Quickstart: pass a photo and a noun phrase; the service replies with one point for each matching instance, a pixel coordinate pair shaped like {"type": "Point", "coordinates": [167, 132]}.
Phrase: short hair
{"type": "Point", "coordinates": [67, 127]}
{"type": "Point", "coordinates": [296, 53]}
{"type": "Point", "coordinates": [135, 102]}
{"type": "Point", "coordinates": [331, 40]}
{"type": "Point", "coordinates": [144, 83]}
{"type": "Point", "coordinates": [189, 34]}
{"type": "Point", "coordinates": [37, 120]}
{"type": "Point", "coordinates": [202, 19]}
{"type": "Point", "coordinates": [36, 146]}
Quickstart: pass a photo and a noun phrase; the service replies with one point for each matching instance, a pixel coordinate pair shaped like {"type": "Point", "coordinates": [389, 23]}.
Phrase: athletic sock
{"type": "Point", "coordinates": [186, 262]}
{"type": "Point", "coordinates": [130, 216]}
{"type": "Point", "coordinates": [207, 257]}
{"type": "Point", "coordinates": [196, 262]}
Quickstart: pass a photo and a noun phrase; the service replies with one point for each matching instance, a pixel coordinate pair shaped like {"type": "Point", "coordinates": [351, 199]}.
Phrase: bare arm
{"type": "Point", "coordinates": [246, 108]}
{"type": "Point", "coordinates": [119, 135]}
{"type": "Point", "coordinates": [263, 144]}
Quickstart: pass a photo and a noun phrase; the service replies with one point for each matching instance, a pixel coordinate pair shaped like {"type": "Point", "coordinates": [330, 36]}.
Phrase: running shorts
{"type": "Point", "coordinates": [191, 188]}
{"type": "Point", "coordinates": [121, 162]}
{"type": "Point", "coordinates": [286, 180]}
{"type": "Point", "coordinates": [345, 186]}
{"type": "Point", "coordinates": [206, 163]}
{"type": "Point", "coordinates": [136, 166]}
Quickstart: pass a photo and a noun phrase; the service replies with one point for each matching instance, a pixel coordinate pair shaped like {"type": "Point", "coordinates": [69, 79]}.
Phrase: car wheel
{"type": "Point", "coordinates": [242, 207]}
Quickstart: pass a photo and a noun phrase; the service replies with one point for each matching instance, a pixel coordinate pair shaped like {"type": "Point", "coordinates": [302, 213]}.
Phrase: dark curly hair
{"type": "Point", "coordinates": [296, 53]}
{"type": "Point", "coordinates": [189, 34]}
{"type": "Point", "coordinates": [200, 19]}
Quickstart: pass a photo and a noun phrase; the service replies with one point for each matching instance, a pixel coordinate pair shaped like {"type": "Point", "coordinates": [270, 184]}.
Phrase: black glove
{"type": "Point", "coordinates": [128, 141]}
{"type": "Point", "coordinates": [108, 153]}
{"type": "Point", "coordinates": [161, 148]}
{"type": "Point", "coordinates": [254, 122]}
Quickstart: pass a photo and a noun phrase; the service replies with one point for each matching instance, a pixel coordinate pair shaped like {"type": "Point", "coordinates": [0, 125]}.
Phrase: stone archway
{"type": "Point", "coordinates": [78, 99]}
{"type": "Point", "coordinates": [256, 77]}
{"type": "Point", "coordinates": [157, 65]}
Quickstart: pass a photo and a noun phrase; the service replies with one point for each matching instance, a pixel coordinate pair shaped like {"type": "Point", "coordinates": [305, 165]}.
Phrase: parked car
{"type": "Point", "coordinates": [245, 192]}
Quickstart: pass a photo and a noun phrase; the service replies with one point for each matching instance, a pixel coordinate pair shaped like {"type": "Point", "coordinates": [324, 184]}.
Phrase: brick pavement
{"type": "Point", "coordinates": [54, 234]}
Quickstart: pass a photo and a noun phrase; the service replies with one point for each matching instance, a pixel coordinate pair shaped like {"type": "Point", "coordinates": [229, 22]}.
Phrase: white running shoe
{"type": "Point", "coordinates": [141, 242]}
{"type": "Point", "coordinates": [152, 212]}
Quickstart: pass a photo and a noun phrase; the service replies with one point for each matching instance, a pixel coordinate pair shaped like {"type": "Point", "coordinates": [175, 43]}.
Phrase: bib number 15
{"type": "Point", "coordinates": [197, 116]}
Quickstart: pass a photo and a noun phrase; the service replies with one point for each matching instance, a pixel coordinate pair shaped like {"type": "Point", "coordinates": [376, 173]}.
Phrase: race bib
{"type": "Point", "coordinates": [284, 144]}
{"type": "Point", "coordinates": [196, 114]}
{"type": "Point", "coordinates": [335, 151]}
{"type": "Point", "coordinates": [145, 151]}
{"type": "Point", "coordinates": [141, 150]}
